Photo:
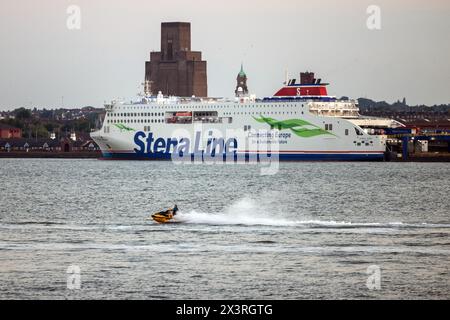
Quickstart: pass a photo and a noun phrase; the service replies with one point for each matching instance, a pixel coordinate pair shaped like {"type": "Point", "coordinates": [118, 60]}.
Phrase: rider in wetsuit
{"type": "Point", "coordinates": [175, 210]}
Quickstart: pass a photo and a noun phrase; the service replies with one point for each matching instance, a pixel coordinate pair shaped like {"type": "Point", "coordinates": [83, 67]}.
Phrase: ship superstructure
{"type": "Point", "coordinates": [299, 122]}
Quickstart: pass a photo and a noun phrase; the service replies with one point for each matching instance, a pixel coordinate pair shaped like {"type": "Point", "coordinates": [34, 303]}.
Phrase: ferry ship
{"type": "Point", "coordinates": [299, 122]}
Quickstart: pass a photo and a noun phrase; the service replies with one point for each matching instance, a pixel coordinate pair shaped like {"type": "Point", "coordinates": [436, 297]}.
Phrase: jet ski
{"type": "Point", "coordinates": [165, 216]}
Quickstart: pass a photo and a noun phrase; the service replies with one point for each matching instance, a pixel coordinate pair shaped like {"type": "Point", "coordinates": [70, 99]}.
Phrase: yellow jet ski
{"type": "Point", "coordinates": [165, 216]}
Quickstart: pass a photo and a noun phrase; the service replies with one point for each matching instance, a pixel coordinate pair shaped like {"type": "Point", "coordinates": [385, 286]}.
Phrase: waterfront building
{"type": "Point", "coordinates": [8, 132]}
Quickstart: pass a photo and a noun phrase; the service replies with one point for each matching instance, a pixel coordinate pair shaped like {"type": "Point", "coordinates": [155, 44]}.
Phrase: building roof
{"type": "Point", "coordinates": [426, 123]}
{"type": "Point", "coordinates": [88, 143]}
{"type": "Point", "coordinates": [6, 126]}
{"type": "Point", "coordinates": [21, 142]}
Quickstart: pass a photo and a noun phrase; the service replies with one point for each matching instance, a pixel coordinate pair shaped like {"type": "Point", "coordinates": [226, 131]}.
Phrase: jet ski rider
{"type": "Point", "coordinates": [175, 210]}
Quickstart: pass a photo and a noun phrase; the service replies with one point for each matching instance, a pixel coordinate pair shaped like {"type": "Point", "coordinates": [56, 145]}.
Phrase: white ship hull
{"type": "Point", "coordinates": [217, 130]}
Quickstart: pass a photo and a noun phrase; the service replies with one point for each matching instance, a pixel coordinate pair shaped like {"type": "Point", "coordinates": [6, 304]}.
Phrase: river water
{"type": "Point", "coordinates": [79, 229]}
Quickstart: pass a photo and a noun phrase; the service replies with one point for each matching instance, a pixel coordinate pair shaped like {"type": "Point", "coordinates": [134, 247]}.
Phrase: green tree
{"type": "Point", "coordinates": [50, 126]}
{"type": "Point", "coordinates": [22, 114]}
{"type": "Point", "coordinates": [38, 130]}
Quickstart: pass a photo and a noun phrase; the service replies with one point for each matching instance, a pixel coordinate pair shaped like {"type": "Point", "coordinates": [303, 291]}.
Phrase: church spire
{"type": "Point", "coordinates": [241, 86]}
{"type": "Point", "coordinates": [242, 73]}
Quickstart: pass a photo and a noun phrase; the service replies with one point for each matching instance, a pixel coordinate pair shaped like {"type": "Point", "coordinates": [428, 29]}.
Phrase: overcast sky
{"type": "Point", "coordinates": [41, 60]}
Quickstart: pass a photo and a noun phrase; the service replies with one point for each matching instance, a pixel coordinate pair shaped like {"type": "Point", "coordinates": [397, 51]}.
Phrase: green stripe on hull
{"type": "Point", "coordinates": [123, 127]}
{"type": "Point", "coordinates": [296, 126]}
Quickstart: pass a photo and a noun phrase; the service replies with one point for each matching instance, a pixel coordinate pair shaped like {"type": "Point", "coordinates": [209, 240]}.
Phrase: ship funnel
{"type": "Point", "coordinates": [307, 78]}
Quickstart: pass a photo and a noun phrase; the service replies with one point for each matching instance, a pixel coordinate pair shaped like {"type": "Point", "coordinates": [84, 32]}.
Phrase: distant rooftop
{"type": "Point", "coordinates": [6, 126]}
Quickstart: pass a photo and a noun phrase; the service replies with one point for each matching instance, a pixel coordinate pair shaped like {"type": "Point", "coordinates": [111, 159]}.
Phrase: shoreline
{"type": "Point", "coordinates": [51, 155]}
{"type": "Point", "coordinates": [98, 155]}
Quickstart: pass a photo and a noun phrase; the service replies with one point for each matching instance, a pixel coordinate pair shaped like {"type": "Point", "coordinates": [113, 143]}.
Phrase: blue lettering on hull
{"type": "Point", "coordinates": [281, 157]}
{"type": "Point", "coordinates": [149, 148]}
{"type": "Point", "coordinates": [146, 144]}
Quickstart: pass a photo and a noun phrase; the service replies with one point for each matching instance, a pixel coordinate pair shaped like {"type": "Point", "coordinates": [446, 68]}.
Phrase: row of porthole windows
{"type": "Point", "coordinates": [225, 113]}
{"type": "Point", "coordinates": [250, 106]}
{"type": "Point", "coordinates": [267, 105]}
{"type": "Point", "coordinates": [140, 108]}
{"type": "Point", "coordinates": [136, 121]}
{"type": "Point", "coordinates": [258, 113]}
{"type": "Point", "coordinates": [160, 114]}
{"type": "Point", "coordinates": [142, 114]}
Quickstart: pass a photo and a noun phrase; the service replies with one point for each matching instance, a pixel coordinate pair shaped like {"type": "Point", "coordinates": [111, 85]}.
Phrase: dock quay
{"type": "Point", "coordinates": [421, 147]}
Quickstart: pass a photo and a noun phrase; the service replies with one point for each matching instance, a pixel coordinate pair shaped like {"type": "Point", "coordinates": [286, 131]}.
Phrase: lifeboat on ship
{"type": "Point", "coordinates": [183, 114]}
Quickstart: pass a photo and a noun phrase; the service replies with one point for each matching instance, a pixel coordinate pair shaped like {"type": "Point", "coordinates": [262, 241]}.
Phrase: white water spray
{"type": "Point", "coordinates": [248, 212]}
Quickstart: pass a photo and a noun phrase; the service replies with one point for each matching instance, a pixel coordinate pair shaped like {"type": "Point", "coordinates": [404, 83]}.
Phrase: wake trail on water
{"type": "Point", "coordinates": [247, 212]}
{"type": "Point", "coordinates": [243, 212]}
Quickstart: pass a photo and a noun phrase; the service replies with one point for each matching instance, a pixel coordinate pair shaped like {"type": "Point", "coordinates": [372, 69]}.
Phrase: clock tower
{"type": "Point", "coordinates": [241, 86]}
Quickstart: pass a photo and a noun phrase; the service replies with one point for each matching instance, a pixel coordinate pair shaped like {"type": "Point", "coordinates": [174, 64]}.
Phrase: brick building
{"type": "Point", "coordinates": [8, 132]}
{"type": "Point", "coordinates": [176, 70]}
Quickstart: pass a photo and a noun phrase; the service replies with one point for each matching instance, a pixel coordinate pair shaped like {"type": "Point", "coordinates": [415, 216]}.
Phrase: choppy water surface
{"type": "Point", "coordinates": [310, 231]}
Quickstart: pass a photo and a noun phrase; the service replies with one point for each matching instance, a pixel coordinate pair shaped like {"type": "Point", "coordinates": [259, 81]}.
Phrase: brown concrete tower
{"type": "Point", "coordinates": [176, 70]}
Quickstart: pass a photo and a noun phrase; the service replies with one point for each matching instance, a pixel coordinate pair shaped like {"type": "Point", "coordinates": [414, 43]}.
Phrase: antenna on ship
{"type": "Point", "coordinates": [286, 77]}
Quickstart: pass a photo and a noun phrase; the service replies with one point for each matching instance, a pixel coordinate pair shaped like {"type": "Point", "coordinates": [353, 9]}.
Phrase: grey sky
{"type": "Point", "coordinates": [41, 60]}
